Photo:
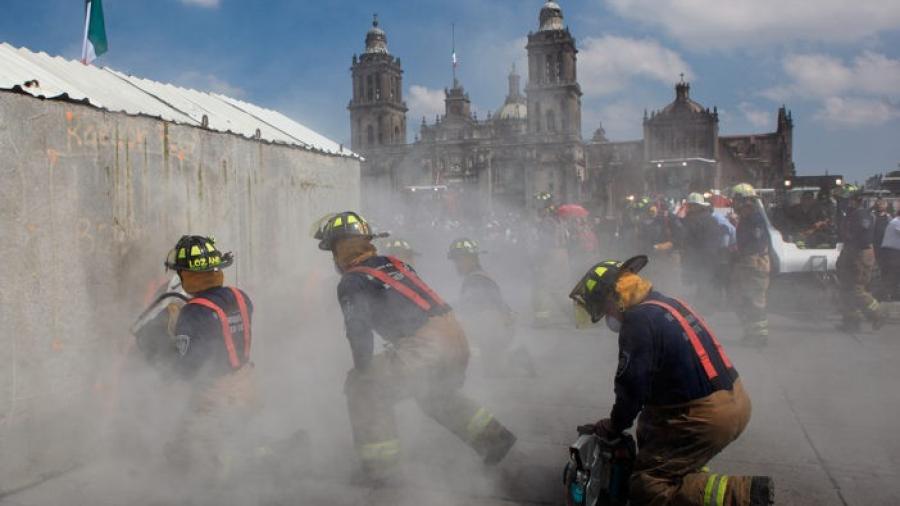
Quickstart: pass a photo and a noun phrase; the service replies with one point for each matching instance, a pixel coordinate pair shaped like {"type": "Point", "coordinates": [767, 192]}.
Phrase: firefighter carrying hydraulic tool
{"type": "Point", "coordinates": [426, 359]}
{"type": "Point", "coordinates": [673, 371]}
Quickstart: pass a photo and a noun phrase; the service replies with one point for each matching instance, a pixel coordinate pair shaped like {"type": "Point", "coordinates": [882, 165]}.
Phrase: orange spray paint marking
{"type": "Point", "coordinates": [53, 157]}
{"type": "Point", "coordinates": [56, 344]}
{"type": "Point", "coordinates": [70, 116]}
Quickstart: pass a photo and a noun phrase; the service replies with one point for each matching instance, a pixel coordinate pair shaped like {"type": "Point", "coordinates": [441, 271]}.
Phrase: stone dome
{"type": "Point", "coordinates": [376, 39]}
{"type": "Point", "coordinates": [551, 16]}
{"type": "Point", "coordinates": [513, 110]}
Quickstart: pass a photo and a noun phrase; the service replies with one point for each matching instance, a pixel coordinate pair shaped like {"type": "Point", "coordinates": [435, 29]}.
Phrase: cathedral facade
{"type": "Point", "coordinates": [534, 143]}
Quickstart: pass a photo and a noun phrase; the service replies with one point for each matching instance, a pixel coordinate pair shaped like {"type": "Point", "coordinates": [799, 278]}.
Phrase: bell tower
{"type": "Point", "coordinates": [554, 96]}
{"type": "Point", "coordinates": [377, 110]}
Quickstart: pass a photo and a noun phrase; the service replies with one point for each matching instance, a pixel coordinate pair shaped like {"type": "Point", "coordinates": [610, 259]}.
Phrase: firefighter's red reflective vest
{"type": "Point", "coordinates": [703, 350]}
{"type": "Point", "coordinates": [419, 293]}
{"type": "Point", "coordinates": [233, 358]}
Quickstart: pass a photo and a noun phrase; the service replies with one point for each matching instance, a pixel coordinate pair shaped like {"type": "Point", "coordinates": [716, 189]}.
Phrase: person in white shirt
{"type": "Point", "coordinates": [890, 248]}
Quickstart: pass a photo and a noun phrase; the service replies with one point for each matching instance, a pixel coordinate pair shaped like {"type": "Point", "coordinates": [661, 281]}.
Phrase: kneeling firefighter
{"type": "Point", "coordinates": [673, 371]}
{"type": "Point", "coordinates": [213, 338]}
{"type": "Point", "coordinates": [426, 358]}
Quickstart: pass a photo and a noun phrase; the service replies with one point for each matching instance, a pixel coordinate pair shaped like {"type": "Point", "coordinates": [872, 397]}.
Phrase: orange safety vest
{"type": "Point", "coordinates": [233, 359]}
{"type": "Point", "coordinates": [402, 288]}
{"type": "Point", "coordinates": [703, 354]}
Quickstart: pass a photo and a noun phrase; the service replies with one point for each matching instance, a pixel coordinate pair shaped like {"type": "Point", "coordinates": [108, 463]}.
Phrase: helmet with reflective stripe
{"type": "Point", "coordinates": [397, 246]}
{"type": "Point", "coordinates": [196, 253]}
{"type": "Point", "coordinates": [849, 190]}
{"type": "Point", "coordinates": [342, 225]}
{"type": "Point", "coordinates": [599, 283]}
{"type": "Point", "coordinates": [697, 198]}
{"type": "Point", "coordinates": [744, 190]}
{"type": "Point", "coordinates": [464, 246]}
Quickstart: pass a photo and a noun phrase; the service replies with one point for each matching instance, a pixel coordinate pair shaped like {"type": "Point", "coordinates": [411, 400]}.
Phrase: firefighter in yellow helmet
{"type": "Point", "coordinates": [213, 338]}
{"type": "Point", "coordinates": [750, 266]}
{"type": "Point", "coordinates": [398, 248]}
{"type": "Point", "coordinates": [675, 374]}
{"type": "Point", "coordinates": [485, 315]}
{"type": "Point", "coordinates": [427, 359]}
{"type": "Point", "coordinates": [855, 265]}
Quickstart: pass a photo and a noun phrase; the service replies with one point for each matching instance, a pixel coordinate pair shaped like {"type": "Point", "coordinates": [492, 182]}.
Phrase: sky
{"type": "Point", "coordinates": [834, 63]}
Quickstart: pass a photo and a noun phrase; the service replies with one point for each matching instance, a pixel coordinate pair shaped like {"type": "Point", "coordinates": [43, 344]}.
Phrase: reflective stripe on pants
{"type": "Point", "coordinates": [714, 495]}
{"type": "Point", "coordinates": [384, 451]}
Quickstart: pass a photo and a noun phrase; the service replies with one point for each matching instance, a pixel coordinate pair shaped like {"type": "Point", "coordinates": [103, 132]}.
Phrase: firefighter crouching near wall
{"type": "Point", "coordinates": [426, 359]}
{"type": "Point", "coordinates": [854, 267]}
{"type": "Point", "coordinates": [485, 315]}
{"type": "Point", "coordinates": [750, 266]}
{"type": "Point", "coordinates": [213, 339]}
{"type": "Point", "coordinates": [673, 371]}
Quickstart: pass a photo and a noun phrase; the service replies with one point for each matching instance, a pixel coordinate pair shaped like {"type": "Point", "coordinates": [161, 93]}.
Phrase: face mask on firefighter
{"type": "Point", "coordinates": [613, 324]}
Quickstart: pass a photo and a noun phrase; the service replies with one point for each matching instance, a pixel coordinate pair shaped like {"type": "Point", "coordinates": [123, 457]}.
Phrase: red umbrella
{"type": "Point", "coordinates": [572, 211]}
{"type": "Point", "coordinates": [719, 201]}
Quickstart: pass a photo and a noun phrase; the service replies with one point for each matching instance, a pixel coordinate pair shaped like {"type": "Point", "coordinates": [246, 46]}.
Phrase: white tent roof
{"type": "Point", "coordinates": [45, 76]}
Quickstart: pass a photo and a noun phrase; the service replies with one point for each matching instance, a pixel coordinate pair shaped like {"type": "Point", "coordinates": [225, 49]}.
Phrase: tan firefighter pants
{"type": "Point", "coordinates": [430, 367]}
{"type": "Point", "coordinates": [676, 442]}
{"type": "Point", "coordinates": [749, 292]}
{"type": "Point", "coordinates": [854, 270]}
{"type": "Point", "coordinates": [211, 441]}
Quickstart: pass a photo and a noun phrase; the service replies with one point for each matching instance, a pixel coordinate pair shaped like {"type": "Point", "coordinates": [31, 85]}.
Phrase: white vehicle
{"type": "Point", "coordinates": [790, 258]}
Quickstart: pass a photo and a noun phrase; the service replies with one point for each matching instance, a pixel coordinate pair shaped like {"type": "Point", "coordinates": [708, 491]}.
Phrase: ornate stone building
{"type": "Point", "coordinates": [682, 152]}
{"type": "Point", "coordinates": [534, 143]}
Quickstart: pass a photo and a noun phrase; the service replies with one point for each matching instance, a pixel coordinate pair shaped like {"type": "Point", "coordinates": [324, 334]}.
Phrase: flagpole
{"type": "Point", "coordinates": [453, 49]}
{"type": "Point", "coordinates": [87, 24]}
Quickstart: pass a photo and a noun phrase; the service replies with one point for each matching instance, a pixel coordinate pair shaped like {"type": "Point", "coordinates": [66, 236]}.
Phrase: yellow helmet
{"type": "Point", "coordinates": [337, 226]}
{"type": "Point", "coordinates": [744, 190]}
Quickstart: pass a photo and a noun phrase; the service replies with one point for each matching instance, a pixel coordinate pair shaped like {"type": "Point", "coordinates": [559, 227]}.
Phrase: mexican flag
{"type": "Point", "coordinates": [94, 32]}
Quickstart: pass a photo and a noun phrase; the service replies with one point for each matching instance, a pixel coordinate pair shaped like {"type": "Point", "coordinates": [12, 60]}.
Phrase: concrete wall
{"type": "Point", "coordinates": [90, 203]}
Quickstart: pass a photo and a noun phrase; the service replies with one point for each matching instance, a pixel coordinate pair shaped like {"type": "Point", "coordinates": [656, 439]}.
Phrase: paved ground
{"type": "Point", "coordinates": [825, 424]}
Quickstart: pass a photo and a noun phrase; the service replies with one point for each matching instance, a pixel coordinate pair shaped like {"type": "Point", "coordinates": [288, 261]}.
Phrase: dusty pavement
{"type": "Point", "coordinates": [825, 424]}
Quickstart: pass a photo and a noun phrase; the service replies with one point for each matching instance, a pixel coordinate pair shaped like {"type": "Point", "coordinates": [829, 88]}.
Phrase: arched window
{"type": "Point", "coordinates": [560, 76]}
{"type": "Point", "coordinates": [537, 116]}
{"type": "Point", "coordinates": [551, 121]}
{"type": "Point", "coordinates": [396, 134]}
{"type": "Point", "coordinates": [370, 135]}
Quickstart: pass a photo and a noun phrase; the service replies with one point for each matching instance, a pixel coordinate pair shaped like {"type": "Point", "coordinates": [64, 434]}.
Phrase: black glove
{"type": "Point", "coordinates": [587, 430]}
{"type": "Point", "coordinates": [604, 429]}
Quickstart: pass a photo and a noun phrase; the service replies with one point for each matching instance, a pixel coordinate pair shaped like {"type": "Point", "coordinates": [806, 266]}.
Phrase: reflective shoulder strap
{"type": "Point", "coordinates": [711, 372]}
{"type": "Point", "coordinates": [712, 336]}
{"type": "Point", "coordinates": [226, 329]}
{"type": "Point", "coordinates": [402, 289]}
{"type": "Point", "coordinates": [400, 266]}
{"type": "Point", "coordinates": [245, 319]}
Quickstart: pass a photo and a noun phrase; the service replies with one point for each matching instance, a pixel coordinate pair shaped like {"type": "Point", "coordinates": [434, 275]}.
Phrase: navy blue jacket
{"type": "Point", "coordinates": [859, 229]}
{"type": "Point", "coordinates": [198, 334]}
{"type": "Point", "coordinates": [481, 293]}
{"type": "Point", "coordinates": [752, 234]}
{"type": "Point", "coordinates": [658, 365]}
{"type": "Point", "coordinates": [371, 306]}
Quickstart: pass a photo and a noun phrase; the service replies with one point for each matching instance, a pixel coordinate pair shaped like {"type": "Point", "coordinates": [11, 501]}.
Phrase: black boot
{"type": "Point", "coordinates": [762, 491]}
{"type": "Point", "coordinates": [494, 443]}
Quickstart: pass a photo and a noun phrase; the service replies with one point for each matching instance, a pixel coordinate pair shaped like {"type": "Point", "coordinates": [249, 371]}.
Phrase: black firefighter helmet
{"type": "Point", "coordinates": [598, 285]}
{"type": "Point", "coordinates": [197, 253]}
{"type": "Point", "coordinates": [341, 225]}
